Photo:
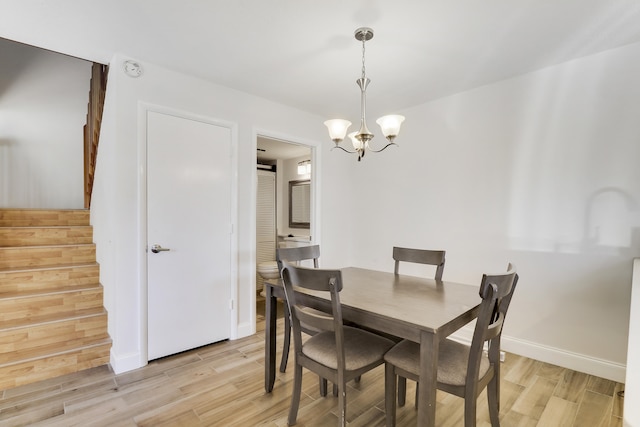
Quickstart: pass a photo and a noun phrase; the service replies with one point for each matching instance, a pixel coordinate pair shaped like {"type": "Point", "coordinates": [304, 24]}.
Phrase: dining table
{"type": "Point", "coordinates": [419, 309]}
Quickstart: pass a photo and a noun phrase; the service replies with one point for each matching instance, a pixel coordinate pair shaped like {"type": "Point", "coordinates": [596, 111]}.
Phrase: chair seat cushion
{"type": "Point", "coordinates": [452, 360]}
{"type": "Point", "coordinates": [361, 348]}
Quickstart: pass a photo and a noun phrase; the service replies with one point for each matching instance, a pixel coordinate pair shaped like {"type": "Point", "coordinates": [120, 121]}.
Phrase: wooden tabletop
{"type": "Point", "coordinates": [402, 305]}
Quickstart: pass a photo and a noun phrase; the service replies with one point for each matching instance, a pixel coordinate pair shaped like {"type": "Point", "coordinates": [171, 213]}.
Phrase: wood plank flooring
{"type": "Point", "coordinates": [223, 385]}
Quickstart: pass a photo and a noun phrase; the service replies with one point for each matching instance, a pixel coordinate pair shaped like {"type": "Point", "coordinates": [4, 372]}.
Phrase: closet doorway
{"type": "Point", "coordinates": [283, 175]}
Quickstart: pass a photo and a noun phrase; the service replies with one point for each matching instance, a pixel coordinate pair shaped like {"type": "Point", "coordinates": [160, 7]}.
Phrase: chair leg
{"type": "Point", "coordinates": [323, 386]}
{"type": "Point", "coordinates": [470, 411]}
{"type": "Point", "coordinates": [390, 394]}
{"type": "Point", "coordinates": [295, 396]}
{"type": "Point", "coordinates": [493, 396]}
{"type": "Point", "coordinates": [335, 390]}
{"type": "Point", "coordinates": [287, 340]}
{"type": "Point", "coordinates": [402, 391]}
{"type": "Point", "coordinates": [342, 403]}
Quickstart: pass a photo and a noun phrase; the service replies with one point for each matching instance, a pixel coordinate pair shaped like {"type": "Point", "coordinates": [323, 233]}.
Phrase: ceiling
{"type": "Point", "coordinates": [302, 52]}
{"type": "Point", "coordinates": [270, 150]}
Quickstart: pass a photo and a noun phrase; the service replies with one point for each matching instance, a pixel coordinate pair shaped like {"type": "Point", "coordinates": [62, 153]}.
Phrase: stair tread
{"type": "Point", "coordinates": [43, 292]}
{"type": "Point", "coordinates": [76, 265]}
{"type": "Point", "coordinates": [6, 211]}
{"type": "Point", "coordinates": [52, 267]}
{"type": "Point", "coordinates": [52, 337]}
{"type": "Point", "coordinates": [60, 226]}
{"type": "Point", "coordinates": [53, 318]}
{"type": "Point", "coordinates": [47, 246]}
{"type": "Point", "coordinates": [56, 349]}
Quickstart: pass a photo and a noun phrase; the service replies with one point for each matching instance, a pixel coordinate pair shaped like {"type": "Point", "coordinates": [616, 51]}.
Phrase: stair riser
{"type": "Point", "coordinates": [54, 366]}
{"type": "Point", "coordinates": [45, 236]}
{"type": "Point", "coordinates": [46, 256]}
{"type": "Point", "coordinates": [48, 280]}
{"type": "Point", "coordinates": [39, 307]}
{"type": "Point", "coordinates": [42, 217]}
{"type": "Point", "coordinates": [38, 341]}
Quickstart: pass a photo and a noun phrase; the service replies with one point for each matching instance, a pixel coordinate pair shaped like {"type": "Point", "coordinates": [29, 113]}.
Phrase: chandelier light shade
{"type": "Point", "coordinates": [337, 129]}
{"type": "Point", "coordinates": [390, 125]}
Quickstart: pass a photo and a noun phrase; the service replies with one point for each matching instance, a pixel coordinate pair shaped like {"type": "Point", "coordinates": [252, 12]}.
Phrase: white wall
{"type": "Point", "coordinates": [540, 170]}
{"type": "Point", "coordinates": [43, 105]}
{"type": "Point", "coordinates": [118, 198]}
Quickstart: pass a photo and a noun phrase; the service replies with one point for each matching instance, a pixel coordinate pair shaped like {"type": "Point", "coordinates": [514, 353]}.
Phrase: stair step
{"type": "Point", "coordinates": [54, 365]}
{"type": "Point", "coordinates": [48, 279]}
{"type": "Point", "coordinates": [45, 236]}
{"type": "Point", "coordinates": [43, 217]}
{"type": "Point", "coordinates": [46, 256]}
{"type": "Point", "coordinates": [53, 292]}
{"type": "Point", "coordinates": [41, 339]}
{"type": "Point", "coordinates": [18, 311]}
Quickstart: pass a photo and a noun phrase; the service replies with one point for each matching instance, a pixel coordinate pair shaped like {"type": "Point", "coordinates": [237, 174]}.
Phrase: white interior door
{"type": "Point", "coordinates": [189, 217]}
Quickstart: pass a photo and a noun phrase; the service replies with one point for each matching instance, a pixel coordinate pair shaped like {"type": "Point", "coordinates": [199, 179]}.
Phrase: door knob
{"type": "Point", "coordinates": [157, 248]}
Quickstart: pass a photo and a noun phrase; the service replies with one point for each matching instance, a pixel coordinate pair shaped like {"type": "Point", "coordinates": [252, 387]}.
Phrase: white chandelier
{"type": "Point", "coordinates": [390, 125]}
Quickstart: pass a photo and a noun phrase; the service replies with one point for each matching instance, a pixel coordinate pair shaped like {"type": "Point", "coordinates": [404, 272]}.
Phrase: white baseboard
{"type": "Point", "coordinates": [555, 356]}
{"type": "Point", "coordinates": [131, 361]}
{"type": "Point", "coordinates": [245, 329]}
{"type": "Point", "coordinates": [567, 359]}
{"type": "Point", "coordinates": [126, 363]}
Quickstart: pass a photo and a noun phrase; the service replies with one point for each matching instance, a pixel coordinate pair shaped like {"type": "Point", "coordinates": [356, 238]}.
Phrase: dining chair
{"type": "Point", "coordinates": [336, 352]}
{"type": "Point", "coordinates": [419, 256]}
{"type": "Point", "coordinates": [463, 370]}
{"type": "Point", "coordinates": [294, 254]}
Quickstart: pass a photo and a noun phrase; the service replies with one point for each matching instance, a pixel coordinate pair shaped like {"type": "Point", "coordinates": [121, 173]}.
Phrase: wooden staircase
{"type": "Point", "coordinates": [52, 319]}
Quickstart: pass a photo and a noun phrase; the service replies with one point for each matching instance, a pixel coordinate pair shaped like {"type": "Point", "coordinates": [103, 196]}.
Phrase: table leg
{"type": "Point", "coordinates": [427, 385]}
{"type": "Point", "coordinates": [270, 339]}
{"type": "Point", "coordinates": [287, 340]}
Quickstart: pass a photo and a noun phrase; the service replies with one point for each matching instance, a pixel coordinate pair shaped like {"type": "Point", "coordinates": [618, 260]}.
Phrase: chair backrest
{"type": "Point", "coordinates": [315, 279]}
{"type": "Point", "coordinates": [294, 255]}
{"type": "Point", "coordinates": [496, 292]}
{"type": "Point", "coordinates": [420, 256]}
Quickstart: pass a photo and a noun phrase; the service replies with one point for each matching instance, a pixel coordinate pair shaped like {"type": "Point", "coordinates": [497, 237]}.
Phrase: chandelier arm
{"type": "Point", "coordinates": [344, 149]}
{"type": "Point", "coordinates": [383, 148]}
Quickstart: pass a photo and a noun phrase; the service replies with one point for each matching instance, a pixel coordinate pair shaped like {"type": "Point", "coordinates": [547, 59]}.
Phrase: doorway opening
{"type": "Point", "coordinates": [283, 205]}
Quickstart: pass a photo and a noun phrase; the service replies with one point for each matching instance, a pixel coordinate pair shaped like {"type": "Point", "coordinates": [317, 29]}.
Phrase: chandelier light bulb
{"type": "Point", "coordinates": [357, 144]}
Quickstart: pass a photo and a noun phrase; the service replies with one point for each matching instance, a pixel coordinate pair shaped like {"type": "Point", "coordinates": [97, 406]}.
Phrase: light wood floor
{"type": "Point", "coordinates": [223, 385]}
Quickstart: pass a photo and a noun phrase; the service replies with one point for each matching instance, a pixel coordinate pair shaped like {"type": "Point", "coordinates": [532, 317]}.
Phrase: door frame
{"type": "Point", "coordinates": [314, 230]}
{"type": "Point", "coordinates": [143, 110]}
